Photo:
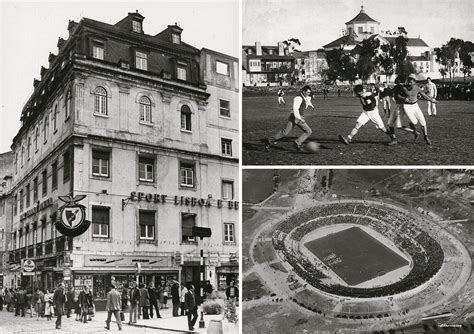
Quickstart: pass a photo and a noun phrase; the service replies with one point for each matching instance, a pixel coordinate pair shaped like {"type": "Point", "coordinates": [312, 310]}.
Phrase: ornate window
{"type": "Point", "coordinates": [100, 101]}
{"type": "Point", "coordinates": [145, 110]}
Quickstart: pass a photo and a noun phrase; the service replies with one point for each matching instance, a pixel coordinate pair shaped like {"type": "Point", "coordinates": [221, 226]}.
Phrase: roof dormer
{"type": "Point", "coordinates": [172, 34]}
{"type": "Point", "coordinates": [133, 22]}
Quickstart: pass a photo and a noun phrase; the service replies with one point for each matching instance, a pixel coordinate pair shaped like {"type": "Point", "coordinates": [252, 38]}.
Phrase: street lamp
{"type": "Point", "coordinates": [201, 232]}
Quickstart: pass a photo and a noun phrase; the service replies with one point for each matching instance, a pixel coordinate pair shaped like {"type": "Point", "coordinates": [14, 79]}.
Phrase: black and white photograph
{"type": "Point", "coordinates": [119, 167]}
{"type": "Point", "coordinates": [357, 251]}
{"type": "Point", "coordinates": [357, 82]}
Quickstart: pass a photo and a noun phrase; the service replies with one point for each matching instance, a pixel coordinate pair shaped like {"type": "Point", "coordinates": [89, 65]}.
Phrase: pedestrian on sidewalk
{"type": "Point", "coordinates": [125, 297]}
{"type": "Point", "coordinates": [144, 301]}
{"type": "Point", "coordinates": [175, 298]}
{"type": "Point", "coordinates": [166, 293]}
{"type": "Point", "coordinates": [8, 300]}
{"type": "Point", "coordinates": [48, 304]}
{"type": "Point", "coordinates": [86, 303]}
{"type": "Point", "coordinates": [38, 301]}
{"type": "Point", "coordinates": [182, 296]}
{"type": "Point", "coordinates": [153, 300]}
{"type": "Point", "coordinates": [191, 305]}
{"type": "Point", "coordinates": [59, 299]}
{"type": "Point", "coordinates": [159, 295]}
{"type": "Point", "coordinates": [232, 292]}
{"type": "Point", "coordinates": [2, 298]}
{"type": "Point", "coordinates": [70, 301]}
{"type": "Point", "coordinates": [134, 301]}
{"type": "Point", "coordinates": [113, 306]}
{"type": "Point", "coordinates": [21, 302]}
{"type": "Point", "coordinates": [29, 301]}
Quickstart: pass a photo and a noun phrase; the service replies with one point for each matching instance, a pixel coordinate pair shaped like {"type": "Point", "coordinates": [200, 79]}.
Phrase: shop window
{"type": "Point", "coordinates": [227, 189]}
{"type": "Point", "coordinates": [186, 118]}
{"type": "Point", "coordinates": [147, 225]}
{"type": "Point", "coordinates": [100, 222]}
{"type": "Point", "coordinates": [146, 169]}
{"type": "Point", "coordinates": [224, 108]}
{"type": "Point", "coordinates": [100, 163]}
{"type": "Point", "coordinates": [186, 174]}
{"type": "Point", "coordinates": [226, 147]}
{"type": "Point", "coordinates": [229, 232]}
{"type": "Point", "coordinates": [188, 220]}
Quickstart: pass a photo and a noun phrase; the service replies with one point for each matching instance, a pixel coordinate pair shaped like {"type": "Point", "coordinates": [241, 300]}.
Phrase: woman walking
{"type": "Point", "coordinates": [86, 304]}
{"type": "Point", "coordinates": [48, 304]}
{"type": "Point", "coordinates": [38, 301]}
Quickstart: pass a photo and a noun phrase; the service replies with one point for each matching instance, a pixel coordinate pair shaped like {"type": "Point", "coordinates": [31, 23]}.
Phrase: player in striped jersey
{"type": "Point", "coordinates": [370, 113]}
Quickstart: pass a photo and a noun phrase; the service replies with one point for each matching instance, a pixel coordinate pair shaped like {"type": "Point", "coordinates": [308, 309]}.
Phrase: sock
{"type": "Point", "coordinates": [353, 133]}
{"type": "Point", "coordinates": [425, 131]}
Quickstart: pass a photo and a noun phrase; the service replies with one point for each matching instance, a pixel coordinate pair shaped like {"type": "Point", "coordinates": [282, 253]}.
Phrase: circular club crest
{"type": "Point", "coordinates": [28, 265]}
{"type": "Point", "coordinates": [72, 216]}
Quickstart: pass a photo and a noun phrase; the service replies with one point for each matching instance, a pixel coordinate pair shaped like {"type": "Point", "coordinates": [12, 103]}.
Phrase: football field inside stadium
{"type": "Point", "coordinates": [355, 256]}
{"type": "Point", "coordinates": [450, 132]}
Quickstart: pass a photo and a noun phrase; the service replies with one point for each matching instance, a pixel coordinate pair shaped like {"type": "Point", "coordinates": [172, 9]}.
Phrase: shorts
{"type": "Point", "coordinates": [414, 114]}
{"type": "Point", "coordinates": [373, 116]}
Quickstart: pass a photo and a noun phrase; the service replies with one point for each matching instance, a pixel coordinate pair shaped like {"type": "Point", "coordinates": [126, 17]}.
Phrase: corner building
{"type": "Point", "coordinates": [146, 127]}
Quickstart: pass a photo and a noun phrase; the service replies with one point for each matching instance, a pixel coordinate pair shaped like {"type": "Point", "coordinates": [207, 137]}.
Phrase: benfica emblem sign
{"type": "Point", "coordinates": [72, 216]}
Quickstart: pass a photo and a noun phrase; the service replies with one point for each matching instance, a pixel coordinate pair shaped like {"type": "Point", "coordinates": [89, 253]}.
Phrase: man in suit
{"type": "Point", "coordinates": [191, 305]}
{"type": "Point", "coordinates": [134, 301]}
{"type": "Point", "coordinates": [113, 306]}
{"type": "Point", "coordinates": [59, 298]}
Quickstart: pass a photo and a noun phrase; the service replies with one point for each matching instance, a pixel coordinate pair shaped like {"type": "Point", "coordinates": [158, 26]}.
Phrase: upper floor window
{"type": "Point", "coordinates": [227, 189]}
{"type": "Point", "coordinates": [28, 197]}
{"type": "Point", "coordinates": [186, 118]}
{"type": "Point", "coordinates": [37, 134]}
{"type": "Point", "coordinates": [28, 150]}
{"type": "Point", "coordinates": [35, 189]}
{"type": "Point", "coordinates": [54, 175]}
{"type": "Point", "coordinates": [100, 222]}
{"type": "Point", "coordinates": [372, 30]}
{"type": "Point", "coordinates": [176, 39]}
{"type": "Point", "coordinates": [186, 175]}
{"type": "Point", "coordinates": [145, 169]}
{"type": "Point", "coordinates": [54, 118]}
{"type": "Point", "coordinates": [229, 232]}
{"type": "Point", "coordinates": [224, 108]}
{"type": "Point", "coordinates": [100, 163]}
{"type": "Point", "coordinates": [222, 68]}
{"type": "Point", "coordinates": [46, 129]}
{"type": "Point", "coordinates": [226, 147]}
{"type": "Point", "coordinates": [270, 51]}
{"type": "Point", "coordinates": [145, 110]}
{"type": "Point", "coordinates": [181, 73]}
{"type": "Point", "coordinates": [98, 50]}
{"type": "Point", "coordinates": [359, 30]}
{"type": "Point", "coordinates": [44, 187]}
{"type": "Point", "coordinates": [188, 220]}
{"type": "Point", "coordinates": [100, 98]}
{"type": "Point", "coordinates": [147, 225]}
{"type": "Point", "coordinates": [141, 60]}
{"type": "Point", "coordinates": [136, 26]}
{"type": "Point", "coordinates": [22, 155]}
{"type": "Point", "coordinates": [68, 105]}
{"type": "Point", "coordinates": [66, 166]}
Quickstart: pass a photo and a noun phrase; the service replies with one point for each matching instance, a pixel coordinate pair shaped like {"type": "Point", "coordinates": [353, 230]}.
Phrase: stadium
{"type": "Point", "coordinates": [370, 263]}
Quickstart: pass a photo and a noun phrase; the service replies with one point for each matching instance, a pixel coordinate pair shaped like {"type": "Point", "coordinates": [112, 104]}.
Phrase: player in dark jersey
{"type": "Point", "coordinates": [385, 95]}
{"type": "Point", "coordinates": [370, 113]}
{"type": "Point", "coordinates": [300, 104]}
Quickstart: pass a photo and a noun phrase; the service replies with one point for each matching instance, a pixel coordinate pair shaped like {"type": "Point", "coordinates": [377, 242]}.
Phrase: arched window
{"type": "Point", "coordinates": [145, 110]}
{"type": "Point", "coordinates": [186, 118]}
{"type": "Point", "coordinates": [68, 105]}
{"type": "Point", "coordinates": [100, 95]}
{"type": "Point", "coordinates": [54, 116]}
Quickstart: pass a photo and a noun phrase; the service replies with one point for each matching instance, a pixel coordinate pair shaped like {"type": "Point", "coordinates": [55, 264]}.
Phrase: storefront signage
{"type": "Point", "coordinates": [72, 216]}
{"type": "Point", "coordinates": [40, 206]}
{"type": "Point", "coordinates": [28, 265]}
{"type": "Point", "coordinates": [67, 274]}
{"type": "Point", "coordinates": [126, 261]}
{"type": "Point", "coordinates": [181, 200]}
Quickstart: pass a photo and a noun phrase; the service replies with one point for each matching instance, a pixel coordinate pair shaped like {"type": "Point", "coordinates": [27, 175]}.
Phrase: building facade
{"type": "Point", "coordinates": [6, 214]}
{"type": "Point", "coordinates": [146, 127]}
{"type": "Point", "coordinates": [263, 65]}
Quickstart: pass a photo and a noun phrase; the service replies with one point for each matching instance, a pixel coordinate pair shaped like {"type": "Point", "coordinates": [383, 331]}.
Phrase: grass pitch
{"type": "Point", "coordinates": [355, 256]}
{"type": "Point", "coordinates": [450, 132]}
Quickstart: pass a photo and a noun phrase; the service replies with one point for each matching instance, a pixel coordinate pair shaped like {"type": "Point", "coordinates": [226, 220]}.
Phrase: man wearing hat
{"type": "Point", "coordinates": [411, 107]}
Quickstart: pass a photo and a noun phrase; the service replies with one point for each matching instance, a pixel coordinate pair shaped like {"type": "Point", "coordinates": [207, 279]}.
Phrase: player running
{"type": "Point", "coordinates": [410, 105]}
{"type": "Point", "coordinates": [281, 100]}
{"type": "Point", "coordinates": [370, 113]}
{"type": "Point", "coordinates": [300, 104]}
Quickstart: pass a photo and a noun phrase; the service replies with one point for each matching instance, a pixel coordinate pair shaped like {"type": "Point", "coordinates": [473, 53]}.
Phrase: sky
{"type": "Point", "coordinates": [319, 22]}
{"type": "Point", "coordinates": [29, 31]}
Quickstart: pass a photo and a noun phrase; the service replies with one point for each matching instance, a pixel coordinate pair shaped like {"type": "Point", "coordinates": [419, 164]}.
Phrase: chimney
{"type": "Point", "coordinates": [71, 26]}
{"type": "Point", "coordinates": [43, 71]}
{"type": "Point", "coordinates": [281, 49]}
{"type": "Point", "coordinates": [61, 42]}
{"type": "Point", "coordinates": [52, 57]}
{"type": "Point", "coordinates": [258, 48]}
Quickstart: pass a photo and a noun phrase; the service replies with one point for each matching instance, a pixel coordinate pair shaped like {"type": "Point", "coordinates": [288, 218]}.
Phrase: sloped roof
{"type": "Point", "coordinates": [362, 17]}
{"type": "Point", "coordinates": [410, 42]}
{"type": "Point", "coordinates": [346, 40]}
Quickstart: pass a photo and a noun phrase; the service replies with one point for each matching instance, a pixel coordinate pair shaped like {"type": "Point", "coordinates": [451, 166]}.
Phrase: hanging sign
{"type": "Point", "coordinates": [72, 216]}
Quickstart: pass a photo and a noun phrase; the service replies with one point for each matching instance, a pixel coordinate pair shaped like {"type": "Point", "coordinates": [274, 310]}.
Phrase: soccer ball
{"type": "Point", "coordinates": [312, 146]}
